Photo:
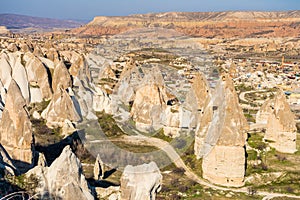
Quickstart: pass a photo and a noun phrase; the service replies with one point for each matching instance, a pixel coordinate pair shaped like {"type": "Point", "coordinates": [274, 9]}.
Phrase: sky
{"type": "Point", "coordinates": [88, 9]}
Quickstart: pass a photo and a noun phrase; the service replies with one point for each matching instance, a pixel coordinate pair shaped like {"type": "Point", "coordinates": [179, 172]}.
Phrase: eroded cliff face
{"type": "Point", "coordinates": [202, 24]}
{"type": "Point", "coordinates": [140, 182]}
{"type": "Point", "coordinates": [15, 126]}
{"type": "Point", "coordinates": [222, 137]}
{"type": "Point", "coordinates": [281, 128]}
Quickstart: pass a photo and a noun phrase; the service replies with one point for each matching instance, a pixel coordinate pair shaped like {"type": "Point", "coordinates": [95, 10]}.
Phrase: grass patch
{"type": "Point", "coordinates": [135, 148]}
{"type": "Point", "coordinates": [255, 140]}
{"type": "Point", "coordinates": [160, 135]}
{"type": "Point", "coordinates": [109, 125]}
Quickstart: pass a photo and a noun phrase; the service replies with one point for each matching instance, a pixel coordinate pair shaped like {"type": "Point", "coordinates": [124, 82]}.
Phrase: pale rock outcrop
{"type": "Point", "coordinates": [24, 47]}
{"type": "Point", "coordinates": [281, 127]}
{"type": "Point", "coordinates": [98, 169]}
{"type": "Point", "coordinates": [148, 107]}
{"type": "Point", "coordinates": [35, 95]}
{"type": "Point", "coordinates": [4, 30]}
{"type": "Point", "coordinates": [42, 162]}
{"type": "Point", "coordinates": [222, 131]}
{"type": "Point", "coordinates": [5, 70]}
{"type": "Point", "coordinates": [264, 112]}
{"type": "Point", "coordinates": [37, 51]}
{"type": "Point", "coordinates": [150, 102]}
{"type": "Point", "coordinates": [15, 126]}
{"type": "Point", "coordinates": [102, 101]}
{"type": "Point", "coordinates": [172, 121]}
{"type": "Point", "coordinates": [38, 76]}
{"type": "Point", "coordinates": [110, 193]}
{"type": "Point", "coordinates": [77, 65]}
{"type": "Point", "coordinates": [140, 182]}
{"type": "Point", "coordinates": [196, 100]}
{"type": "Point", "coordinates": [48, 63]}
{"type": "Point", "coordinates": [130, 79]}
{"type": "Point", "coordinates": [60, 109]}
{"type": "Point", "coordinates": [106, 72]}
{"type": "Point", "coordinates": [52, 54]}
{"type": "Point", "coordinates": [20, 76]}
{"type": "Point", "coordinates": [61, 78]}
{"type": "Point", "coordinates": [63, 179]}
{"type": "Point", "coordinates": [83, 96]}
{"type": "Point", "coordinates": [12, 47]}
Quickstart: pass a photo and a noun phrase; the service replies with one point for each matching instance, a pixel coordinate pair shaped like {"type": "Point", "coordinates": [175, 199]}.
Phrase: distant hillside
{"type": "Point", "coordinates": [203, 24]}
{"type": "Point", "coordinates": [22, 22]}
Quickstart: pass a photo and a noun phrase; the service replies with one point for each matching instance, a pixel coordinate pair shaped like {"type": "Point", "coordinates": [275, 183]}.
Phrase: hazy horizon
{"type": "Point", "coordinates": [81, 10]}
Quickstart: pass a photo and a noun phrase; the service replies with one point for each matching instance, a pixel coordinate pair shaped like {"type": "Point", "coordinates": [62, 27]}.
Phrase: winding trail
{"type": "Point", "coordinates": [175, 158]}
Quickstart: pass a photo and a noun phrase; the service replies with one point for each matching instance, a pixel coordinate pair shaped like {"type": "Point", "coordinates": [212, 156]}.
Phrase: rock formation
{"type": "Point", "coordinates": [130, 79]}
{"type": "Point", "coordinates": [148, 106]}
{"type": "Point", "coordinates": [5, 70]}
{"type": "Point", "coordinates": [222, 137]}
{"type": "Point", "coordinates": [60, 109]}
{"type": "Point", "coordinates": [140, 182]}
{"type": "Point", "coordinates": [98, 168]}
{"type": "Point", "coordinates": [4, 30]}
{"type": "Point", "coordinates": [15, 126]}
{"type": "Point", "coordinates": [63, 179]}
{"type": "Point", "coordinates": [281, 127]}
{"type": "Point", "coordinates": [264, 112]}
{"type": "Point", "coordinates": [38, 76]}
{"type": "Point", "coordinates": [150, 101]}
{"type": "Point", "coordinates": [196, 100]}
{"type": "Point", "coordinates": [20, 76]}
{"type": "Point", "coordinates": [61, 77]}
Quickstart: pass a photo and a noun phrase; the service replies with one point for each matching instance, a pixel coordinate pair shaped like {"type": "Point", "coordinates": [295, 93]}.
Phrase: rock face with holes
{"type": "Point", "coordinates": [281, 127]}
{"type": "Point", "coordinates": [222, 131]}
{"type": "Point", "coordinates": [140, 182]}
{"type": "Point", "coordinates": [63, 179]}
{"type": "Point", "coordinates": [15, 126]}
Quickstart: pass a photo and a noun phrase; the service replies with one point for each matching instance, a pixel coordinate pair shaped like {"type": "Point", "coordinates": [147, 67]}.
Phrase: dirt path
{"type": "Point", "coordinates": [173, 155]}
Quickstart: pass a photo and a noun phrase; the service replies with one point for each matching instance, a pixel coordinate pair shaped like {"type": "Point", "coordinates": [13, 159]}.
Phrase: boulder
{"type": "Point", "coordinates": [63, 179]}
{"type": "Point", "coordinates": [15, 126]}
{"type": "Point", "coordinates": [140, 182]}
{"type": "Point", "coordinates": [222, 134]}
{"type": "Point", "coordinates": [281, 128]}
